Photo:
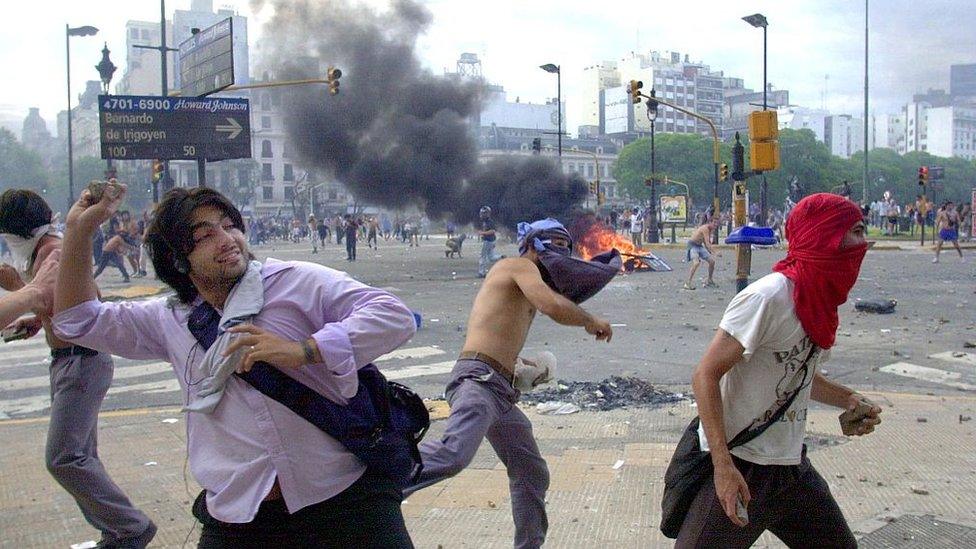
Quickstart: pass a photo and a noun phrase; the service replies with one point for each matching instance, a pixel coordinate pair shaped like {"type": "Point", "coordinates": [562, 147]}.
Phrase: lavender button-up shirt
{"type": "Point", "coordinates": [249, 440]}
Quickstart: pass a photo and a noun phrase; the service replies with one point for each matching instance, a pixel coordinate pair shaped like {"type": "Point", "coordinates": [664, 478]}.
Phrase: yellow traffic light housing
{"type": "Point", "coordinates": [634, 90]}
{"type": "Point", "coordinates": [763, 147]}
{"type": "Point", "coordinates": [157, 170]}
{"type": "Point", "coordinates": [723, 172]}
{"type": "Point", "coordinates": [333, 76]}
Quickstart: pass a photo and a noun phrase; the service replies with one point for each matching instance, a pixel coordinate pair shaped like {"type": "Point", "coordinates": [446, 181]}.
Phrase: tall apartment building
{"type": "Point", "coordinates": [739, 101]}
{"type": "Point", "coordinates": [803, 118]}
{"type": "Point", "coordinates": [675, 79]}
{"type": "Point", "coordinates": [843, 134]}
{"type": "Point", "coordinates": [962, 83]}
{"type": "Point", "coordinates": [887, 131]}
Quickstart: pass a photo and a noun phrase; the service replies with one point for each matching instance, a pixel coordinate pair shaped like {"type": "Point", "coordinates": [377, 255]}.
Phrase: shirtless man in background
{"type": "Point", "coordinates": [482, 391]}
{"type": "Point", "coordinates": [700, 248]}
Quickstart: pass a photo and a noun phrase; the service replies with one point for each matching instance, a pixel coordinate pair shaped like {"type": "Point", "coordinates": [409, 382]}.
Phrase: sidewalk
{"type": "Point", "coordinates": [914, 480]}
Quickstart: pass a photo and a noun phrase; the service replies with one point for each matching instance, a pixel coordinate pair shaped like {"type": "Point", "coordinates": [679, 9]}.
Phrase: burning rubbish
{"type": "Point", "coordinates": [609, 394]}
{"type": "Point", "coordinates": [593, 237]}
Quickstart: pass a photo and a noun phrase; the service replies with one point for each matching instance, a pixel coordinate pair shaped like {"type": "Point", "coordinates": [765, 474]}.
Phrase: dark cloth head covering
{"type": "Point", "coordinates": [571, 277]}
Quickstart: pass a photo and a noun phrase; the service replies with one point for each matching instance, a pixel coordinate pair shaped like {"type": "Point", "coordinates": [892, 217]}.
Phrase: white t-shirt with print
{"type": "Point", "coordinates": [762, 319]}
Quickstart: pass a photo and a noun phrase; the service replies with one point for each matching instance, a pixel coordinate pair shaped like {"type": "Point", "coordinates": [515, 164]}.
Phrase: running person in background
{"type": "Point", "coordinates": [699, 248]}
{"type": "Point", "coordinates": [313, 228]}
{"type": "Point", "coordinates": [947, 223]}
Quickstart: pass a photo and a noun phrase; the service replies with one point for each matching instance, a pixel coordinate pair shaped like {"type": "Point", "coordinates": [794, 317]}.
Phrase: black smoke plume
{"type": "Point", "coordinates": [396, 135]}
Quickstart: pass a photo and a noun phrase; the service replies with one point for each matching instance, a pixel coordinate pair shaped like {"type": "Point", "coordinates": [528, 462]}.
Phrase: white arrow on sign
{"type": "Point", "coordinates": [232, 129]}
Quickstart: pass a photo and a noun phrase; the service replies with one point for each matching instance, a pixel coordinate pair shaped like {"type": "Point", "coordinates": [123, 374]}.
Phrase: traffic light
{"type": "Point", "coordinates": [723, 172]}
{"type": "Point", "coordinates": [601, 198]}
{"type": "Point", "coordinates": [923, 175]}
{"type": "Point", "coordinates": [593, 189]}
{"type": "Point", "coordinates": [634, 90]}
{"type": "Point", "coordinates": [763, 148]}
{"type": "Point", "coordinates": [157, 170]}
{"type": "Point", "coordinates": [537, 145]}
{"type": "Point", "coordinates": [333, 76]}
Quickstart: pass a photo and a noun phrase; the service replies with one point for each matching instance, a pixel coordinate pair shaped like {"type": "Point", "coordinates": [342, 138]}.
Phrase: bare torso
{"type": "Point", "coordinates": [501, 316]}
{"type": "Point", "coordinates": [700, 235]}
{"type": "Point", "coordinates": [44, 248]}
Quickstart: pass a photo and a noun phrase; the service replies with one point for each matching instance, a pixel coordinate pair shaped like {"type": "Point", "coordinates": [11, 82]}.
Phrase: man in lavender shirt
{"type": "Point", "coordinates": [269, 477]}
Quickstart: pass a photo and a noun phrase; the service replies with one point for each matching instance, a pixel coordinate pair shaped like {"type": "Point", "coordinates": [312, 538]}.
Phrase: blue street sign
{"type": "Point", "coordinates": [174, 128]}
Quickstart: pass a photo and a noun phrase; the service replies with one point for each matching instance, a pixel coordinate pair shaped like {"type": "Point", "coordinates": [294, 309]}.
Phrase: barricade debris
{"type": "Point", "coordinates": [609, 394]}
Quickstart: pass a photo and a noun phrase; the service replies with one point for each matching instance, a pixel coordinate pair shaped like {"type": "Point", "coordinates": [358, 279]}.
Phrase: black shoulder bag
{"type": "Point", "coordinates": [690, 467]}
{"type": "Point", "coordinates": [382, 424]}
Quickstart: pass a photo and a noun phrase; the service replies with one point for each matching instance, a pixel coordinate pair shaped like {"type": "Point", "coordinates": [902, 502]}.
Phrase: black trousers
{"type": "Point", "coordinates": [365, 515]}
{"type": "Point", "coordinates": [791, 501]}
{"type": "Point", "coordinates": [351, 248]}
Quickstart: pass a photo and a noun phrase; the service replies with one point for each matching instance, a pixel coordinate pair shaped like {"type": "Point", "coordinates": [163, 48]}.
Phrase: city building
{"type": "Point", "coordinates": [802, 118]}
{"type": "Point", "coordinates": [675, 79]}
{"type": "Point", "coordinates": [499, 112]}
{"type": "Point", "coordinates": [887, 131]}
{"type": "Point", "coordinates": [36, 137]}
{"type": "Point", "coordinates": [962, 83]}
{"type": "Point", "coordinates": [739, 101]}
{"type": "Point", "coordinates": [85, 134]}
{"type": "Point", "coordinates": [142, 71]}
{"type": "Point", "coordinates": [951, 131]}
{"type": "Point", "coordinates": [843, 134]}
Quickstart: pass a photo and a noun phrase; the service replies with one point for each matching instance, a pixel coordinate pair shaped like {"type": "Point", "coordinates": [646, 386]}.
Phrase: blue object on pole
{"type": "Point", "coordinates": [761, 236]}
{"type": "Point", "coordinates": [417, 318]}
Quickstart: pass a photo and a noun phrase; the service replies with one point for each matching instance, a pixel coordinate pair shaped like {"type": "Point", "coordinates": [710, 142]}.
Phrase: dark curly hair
{"type": "Point", "coordinates": [169, 238]}
{"type": "Point", "coordinates": [22, 211]}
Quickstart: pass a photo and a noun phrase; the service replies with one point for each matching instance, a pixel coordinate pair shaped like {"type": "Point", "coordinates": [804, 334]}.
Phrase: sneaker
{"type": "Point", "coordinates": [687, 286]}
{"type": "Point", "coordinates": [135, 542]}
{"type": "Point", "coordinates": [936, 260]}
{"type": "Point", "coordinates": [710, 284]}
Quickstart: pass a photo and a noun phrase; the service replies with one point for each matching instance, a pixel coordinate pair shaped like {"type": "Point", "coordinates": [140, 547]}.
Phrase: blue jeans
{"type": "Point", "coordinates": [488, 257]}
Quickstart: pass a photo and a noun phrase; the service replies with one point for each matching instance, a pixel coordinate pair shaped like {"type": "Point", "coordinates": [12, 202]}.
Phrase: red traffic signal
{"type": "Point", "coordinates": [923, 175]}
{"type": "Point", "coordinates": [333, 76]}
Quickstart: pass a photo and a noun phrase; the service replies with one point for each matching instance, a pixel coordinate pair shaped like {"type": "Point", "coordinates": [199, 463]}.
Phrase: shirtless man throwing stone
{"type": "Point", "coordinates": [699, 248]}
{"type": "Point", "coordinates": [544, 279]}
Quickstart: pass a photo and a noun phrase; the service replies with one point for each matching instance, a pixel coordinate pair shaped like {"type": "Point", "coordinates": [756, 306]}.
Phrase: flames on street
{"type": "Point", "coordinates": [591, 237]}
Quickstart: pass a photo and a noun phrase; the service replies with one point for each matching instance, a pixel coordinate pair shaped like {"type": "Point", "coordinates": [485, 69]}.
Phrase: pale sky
{"type": "Point", "coordinates": [912, 44]}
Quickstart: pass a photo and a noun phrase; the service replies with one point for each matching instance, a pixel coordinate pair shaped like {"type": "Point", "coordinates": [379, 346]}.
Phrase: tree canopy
{"type": "Point", "coordinates": [688, 158]}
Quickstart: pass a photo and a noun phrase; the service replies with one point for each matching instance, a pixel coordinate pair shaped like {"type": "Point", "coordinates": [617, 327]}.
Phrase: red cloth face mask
{"type": "Point", "coordinates": [822, 273]}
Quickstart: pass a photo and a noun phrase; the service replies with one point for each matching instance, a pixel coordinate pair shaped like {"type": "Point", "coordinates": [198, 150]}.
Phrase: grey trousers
{"type": "Point", "coordinates": [487, 259]}
{"type": "Point", "coordinates": [483, 406]}
{"type": "Point", "coordinates": [78, 385]}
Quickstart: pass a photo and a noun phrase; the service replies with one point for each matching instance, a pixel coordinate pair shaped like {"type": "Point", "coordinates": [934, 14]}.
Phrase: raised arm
{"type": "Point", "coordinates": [75, 281]}
{"type": "Point", "coordinates": [542, 297]}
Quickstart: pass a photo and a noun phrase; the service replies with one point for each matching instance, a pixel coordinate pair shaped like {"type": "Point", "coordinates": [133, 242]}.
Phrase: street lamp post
{"type": "Point", "coordinates": [550, 68]}
{"type": "Point", "coordinates": [68, 33]}
{"type": "Point", "coordinates": [106, 69]}
{"type": "Point", "coordinates": [759, 20]}
{"type": "Point", "coordinates": [652, 233]}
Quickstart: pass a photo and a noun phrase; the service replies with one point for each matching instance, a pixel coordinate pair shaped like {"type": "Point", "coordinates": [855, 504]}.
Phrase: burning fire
{"type": "Point", "coordinates": [593, 237]}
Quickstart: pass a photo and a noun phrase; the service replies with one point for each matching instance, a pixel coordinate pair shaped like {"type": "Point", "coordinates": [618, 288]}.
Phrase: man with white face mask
{"type": "Point", "coordinates": [80, 377]}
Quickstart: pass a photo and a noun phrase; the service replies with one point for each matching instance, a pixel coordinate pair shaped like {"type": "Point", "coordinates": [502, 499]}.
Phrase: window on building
{"type": "Point", "coordinates": [266, 149]}
{"type": "Point", "coordinates": [266, 101]}
{"type": "Point", "coordinates": [145, 34]}
{"type": "Point", "coordinates": [589, 170]}
{"type": "Point", "coordinates": [266, 122]}
{"type": "Point", "coordinates": [225, 178]}
{"type": "Point", "coordinates": [267, 193]}
{"type": "Point", "coordinates": [266, 172]}
{"type": "Point", "coordinates": [134, 33]}
{"type": "Point", "coordinates": [289, 193]}
{"type": "Point", "coordinates": [287, 150]}
{"type": "Point", "coordinates": [289, 174]}
{"type": "Point", "coordinates": [333, 194]}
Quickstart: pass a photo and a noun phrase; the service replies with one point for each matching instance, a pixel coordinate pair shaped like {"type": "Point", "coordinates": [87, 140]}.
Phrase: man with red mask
{"type": "Point", "coordinates": [764, 361]}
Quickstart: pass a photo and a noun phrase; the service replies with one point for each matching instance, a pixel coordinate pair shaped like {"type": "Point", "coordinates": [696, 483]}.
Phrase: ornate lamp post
{"type": "Point", "coordinates": [106, 69]}
{"type": "Point", "coordinates": [652, 232]}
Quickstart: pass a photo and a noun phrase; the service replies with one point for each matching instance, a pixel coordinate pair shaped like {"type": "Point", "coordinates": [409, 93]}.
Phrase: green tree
{"type": "Point", "coordinates": [20, 168]}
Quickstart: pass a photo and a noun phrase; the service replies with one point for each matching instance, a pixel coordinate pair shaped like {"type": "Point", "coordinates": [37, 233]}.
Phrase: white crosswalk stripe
{"type": "Point", "coordinates": [24, 393]}
{"type": "Point", "coordinates": [950, 375]}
